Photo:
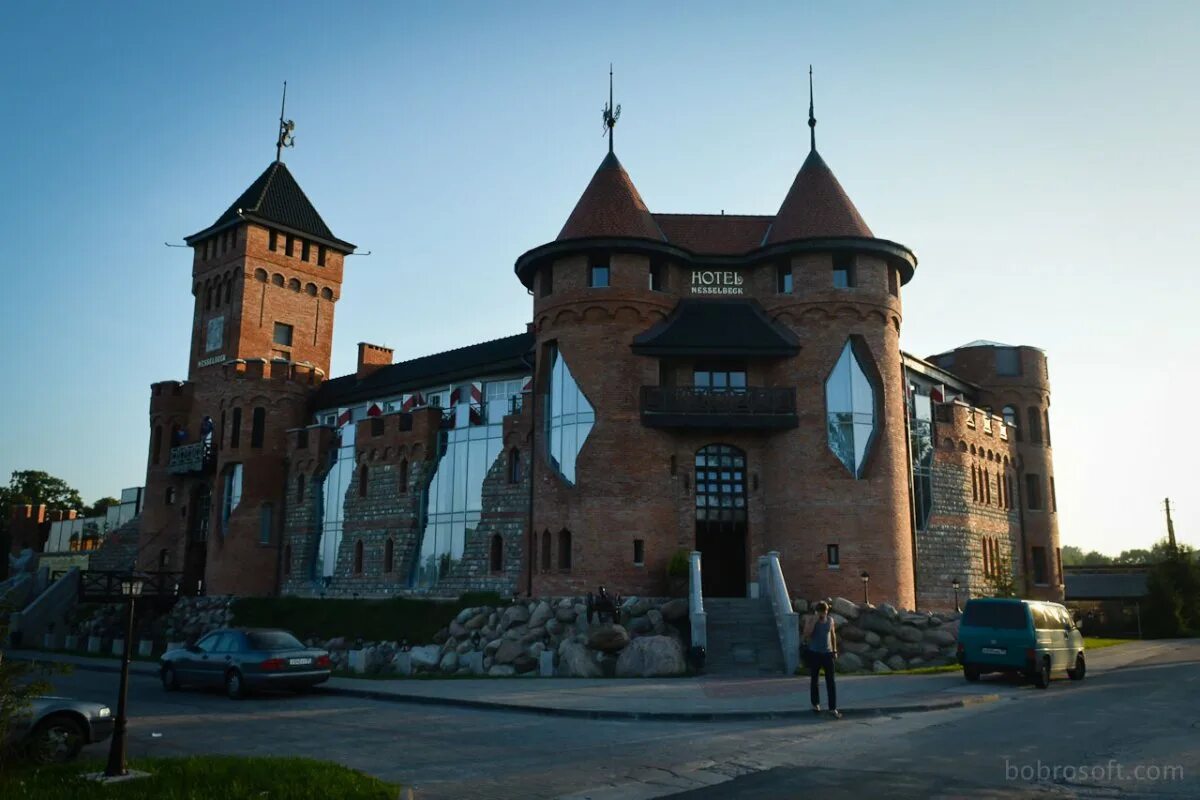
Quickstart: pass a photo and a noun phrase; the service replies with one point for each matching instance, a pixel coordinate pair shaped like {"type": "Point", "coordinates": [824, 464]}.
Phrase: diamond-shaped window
{"type": "Point", "coordinates": [850, 403]}
{"type": "Point", "coordinates": [569, 416]}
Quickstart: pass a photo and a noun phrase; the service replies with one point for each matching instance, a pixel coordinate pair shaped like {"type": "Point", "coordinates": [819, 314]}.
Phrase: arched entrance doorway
{"type": "Point", "coordinates": [721, 519]}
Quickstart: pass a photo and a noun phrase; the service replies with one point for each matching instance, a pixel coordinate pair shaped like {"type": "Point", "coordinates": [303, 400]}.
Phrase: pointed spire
{"type": "Point", "coordinates": [286, 139]}
{"type": "Point", "coordinates": [812, 120]}
{"type": "Point", "coordinates": [611, 206]}
{"type": "Point", "coordinates": [611, 113]}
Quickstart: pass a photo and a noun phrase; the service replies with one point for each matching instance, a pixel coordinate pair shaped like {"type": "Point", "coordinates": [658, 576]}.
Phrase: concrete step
{"type": "Point", "coordinates": [742, 639]}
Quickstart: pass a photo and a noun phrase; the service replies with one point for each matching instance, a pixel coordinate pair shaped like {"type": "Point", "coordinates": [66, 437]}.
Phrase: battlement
{"type": "Point", "coordinates": [35, 514]}
{"type": "Point", "coordinates": [397, 431]}
{"type": "Point", "coordinates": [280, 370]}
{"type": "Point", "coordinates": [992, 365]}
{"type": "Point", "coordinates": [965, 423]}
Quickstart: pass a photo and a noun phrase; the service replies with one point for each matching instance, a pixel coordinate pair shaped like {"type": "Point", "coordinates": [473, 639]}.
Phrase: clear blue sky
{"type": "Point", "coordinates": [1040, 158]}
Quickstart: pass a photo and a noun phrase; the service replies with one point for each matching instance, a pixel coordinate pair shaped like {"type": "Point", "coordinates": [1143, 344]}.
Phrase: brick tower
{"type": "Point", "coordinates": [266, 277]}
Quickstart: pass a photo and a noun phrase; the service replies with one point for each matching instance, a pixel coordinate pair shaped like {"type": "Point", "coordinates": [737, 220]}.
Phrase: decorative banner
{"type": "Point", "coordinates": [716, 282]}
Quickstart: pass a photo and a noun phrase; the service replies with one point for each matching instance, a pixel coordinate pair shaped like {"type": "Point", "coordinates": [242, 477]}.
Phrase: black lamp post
{"type": "Point", "coordinates": [954, 583]}
{"type": "Point", "coordinates": [131, 587]}
{"type": "Point", "coordinates": [865, 579]}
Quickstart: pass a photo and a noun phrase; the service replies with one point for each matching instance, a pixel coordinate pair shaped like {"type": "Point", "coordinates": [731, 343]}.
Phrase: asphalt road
{"type": "Point", "coordinates": [1141, 716]}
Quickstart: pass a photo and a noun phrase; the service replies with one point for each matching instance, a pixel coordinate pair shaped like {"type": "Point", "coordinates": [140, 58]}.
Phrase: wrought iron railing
{"type": "Point", "coordinates": [105, 585]}
{"type": "Point", "coordinates": [692, 400]}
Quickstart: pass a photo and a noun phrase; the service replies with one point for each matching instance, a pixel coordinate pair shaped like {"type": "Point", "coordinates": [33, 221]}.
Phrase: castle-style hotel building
{"type": "Point", "coordinates": [729, 384]}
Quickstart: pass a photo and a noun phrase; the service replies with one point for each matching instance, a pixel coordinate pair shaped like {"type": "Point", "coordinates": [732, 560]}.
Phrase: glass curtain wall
{"type": "Point", "coordinates": [569, 417]}
{"type": "Point", "coordinates": [850, 405]}
{"type": "Point", "coordinates": [337, 482]}
{"type": "Point", "coordinates": [920, 427]}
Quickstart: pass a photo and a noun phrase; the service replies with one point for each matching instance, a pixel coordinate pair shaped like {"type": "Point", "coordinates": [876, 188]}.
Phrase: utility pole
{"type": "Point", "coordinates": [1170, 527]}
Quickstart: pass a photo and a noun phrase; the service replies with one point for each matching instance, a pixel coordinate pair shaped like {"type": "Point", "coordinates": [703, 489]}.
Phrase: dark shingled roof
{"type": "Point", "coordinates": [816, 206]}
{"type": "Point", "coordinates": [715, 234]}
{"type": "Point", "coordinates": [717, 328]}
{"type": "Point", "coordinates": [476, 360]}
{"type": "Point", "coordinates": [610, 206]}
{"type": "Point", "coordinates": [275, 198]}
{"type": "Point", "coordinates": [1105, 586]}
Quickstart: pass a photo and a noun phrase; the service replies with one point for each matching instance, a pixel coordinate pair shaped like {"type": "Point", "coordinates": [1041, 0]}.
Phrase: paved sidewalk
{"type": "Point", "coordinates": [705, 698]}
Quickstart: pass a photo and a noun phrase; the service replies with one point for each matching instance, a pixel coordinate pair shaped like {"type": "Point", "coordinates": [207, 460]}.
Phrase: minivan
{"type": "Point", "coordinates": [1031, 637]}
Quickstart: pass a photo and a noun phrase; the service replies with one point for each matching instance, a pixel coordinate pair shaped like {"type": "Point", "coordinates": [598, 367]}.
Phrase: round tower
{"type": "Point", "coordinates": [1015, 383]}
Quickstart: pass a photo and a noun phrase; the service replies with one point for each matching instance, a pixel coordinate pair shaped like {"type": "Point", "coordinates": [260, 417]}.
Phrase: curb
{"type": "Point", "coordinates": [596, 714]}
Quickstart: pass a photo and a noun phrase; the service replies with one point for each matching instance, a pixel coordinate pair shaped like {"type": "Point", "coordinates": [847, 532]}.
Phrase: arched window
{"type": "Point", "coordinates": [277, 279]}
{"type": "Point", "coordinates": [358, 557]}
{"type": "Point", "coordinates": [287, 560]}
{"type": "Point", "coordinates": [260, 275]}
{"type": "Point", "coordinates": [235, 432]}
{"type": "Point", "coordinates": [545, 551]}
{"type": "Point", "coordinates": [362, 480]}
{"type": "Point", "coordinates": [514, 466]}
{"type": "Point", "coordinates": [156, 444]}
{"type": "Point", "coordinates": [208, 296]}
{"type": "Point", "coordinates": [258, 424]}
{"type": "Point", "coordinates": [404, 476]}
{"type": "Point", "coordinates": [851, 404]}
{"type": "Point", "coordinates": [974, 484]}
{"type": "Point", "coordinates": [1010, 419]}
{"type": "Point", "coordinates": [987, 486]}
{"type": "Point", "coordinates": [228, 289]}
{"type": "Point", "coordinates": [311, 289]}
{"type": "Point", "coordinates": [987, 564]}
{"type": "Point", "coordinates": [1035, 425]}
{"type": "Point", "coordinates": [300, 482]}
{"type": "Point", "coordinates": [389, 555]}
{"type": "Point", "coordinates": [497, 559]}
{"type": "Point", "coordinates": [1046, 416]}
{"type": "Point", "coordinates": [170, 496]}
{"type": "Point", "coordinates": [327, 293]}
{"type": "Point", "coordinates": [564, 549]}
{"type": "Point", "coordinates": [294, 284]}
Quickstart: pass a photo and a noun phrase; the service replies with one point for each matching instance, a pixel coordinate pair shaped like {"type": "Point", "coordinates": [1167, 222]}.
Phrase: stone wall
{"type": "Point", "coordinates": [883, 639]}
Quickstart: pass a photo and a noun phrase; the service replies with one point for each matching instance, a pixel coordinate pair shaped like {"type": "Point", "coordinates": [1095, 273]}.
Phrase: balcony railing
{"type": "Point", "coordinates": [190, 458]}
{"type": "Point", "coordinates": [693, 407]}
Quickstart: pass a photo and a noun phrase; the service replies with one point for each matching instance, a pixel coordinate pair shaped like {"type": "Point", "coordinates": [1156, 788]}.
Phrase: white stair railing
{"type": "Point", "coordinates": [696, 603]}
{"type": "Point", "coordinates": [787, 621]}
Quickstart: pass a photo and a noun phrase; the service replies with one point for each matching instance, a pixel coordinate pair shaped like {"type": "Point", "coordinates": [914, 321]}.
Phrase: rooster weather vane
{"type": "Point", "coordinates": [611, 113]}
{"type": "Point", "coordinates": [286, 138]}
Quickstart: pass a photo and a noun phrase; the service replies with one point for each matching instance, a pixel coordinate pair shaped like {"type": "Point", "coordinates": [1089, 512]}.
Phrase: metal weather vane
{"type": "Point", "coordinates": [286, 138]}
{"type": "Point", "coordinates": [611, 113]}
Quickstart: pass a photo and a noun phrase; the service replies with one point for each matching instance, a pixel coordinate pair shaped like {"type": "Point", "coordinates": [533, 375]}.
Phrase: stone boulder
{"type": "Point", "coordinates": [897, 663]}
{"type": "Point", "coordinates": [640, 626]}
{"type": "Point", "coordinates": [525, 663]}
{"type": "Point", "coordinates": [939, 636]}
{"type": "Point", "coordinates": [850, 646]}
{"type": "Point", "coordinates": [576, 661]}
{"type": "Point", "coordinates": [514, 615]}
{"type": "Point", "coordinates": [465, 615]}
{"type": "Point", "coordinates": [476, 622]}
{"type": "Point", "coordinates": [876, 623]}
{"type": "Point", "coordinates": [799, 605]}
{"type": "Point", "coordinates": [850, 633]}
{"type": "Point", "coordinates": [844, 607]}
{"type": "Point", "coordinates": [449, 662]}
{"type": "Point", "coordinates": [675, 610]}
{"type": "Point", "coordinates": [872, 638]}
{"type": "Point", "coordinates": [888, 610]}
{"type": "Point", "coordinates": [608, 638]}
{"type": "Point", "coordinates": [906, 633]}
{"type": "Point", "coordinates": [838, 619]}
{"type": "Point", "coordinates": [564, 615]}
{"type": "Point", "coordinates": [541, 614]}
{"type": "Point", "coordinates": [427, 657]}
{"type": "Point", "coordinates": [848, 662]}
{"type": "Point", "coordinates": [880, 668]}
{"type": "Point", "coordinates": [501, 671]}
{"type": "Point", "coordinates": [651, 657]}
{"type": "Point", "coordinates": [508, 652]}
{"type": "Point", "coordinates": [458, 630]}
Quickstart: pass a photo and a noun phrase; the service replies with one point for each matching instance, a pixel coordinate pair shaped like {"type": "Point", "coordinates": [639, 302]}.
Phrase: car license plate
{"type": "Point", "coordinates": [296, 662]}
{"type": "Point", "coordinates": [994, 651]}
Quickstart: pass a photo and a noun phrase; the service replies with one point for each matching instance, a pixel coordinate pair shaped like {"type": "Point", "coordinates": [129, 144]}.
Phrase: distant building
{"type": "Point", "coordinates": [723, 383]}
{"type": "Point", "coordinates": [72, 534]}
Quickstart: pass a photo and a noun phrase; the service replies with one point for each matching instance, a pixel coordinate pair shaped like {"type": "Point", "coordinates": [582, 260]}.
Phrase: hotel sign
{"type": "Point", "coordinates": [207, 362]}
{"type": "Point", "coordinates": [716, 282]}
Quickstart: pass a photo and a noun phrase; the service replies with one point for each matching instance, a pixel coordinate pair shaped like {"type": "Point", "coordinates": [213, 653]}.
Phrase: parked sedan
{"type": "Point", "coordinates": [244, 659]}
{"type": "Point", "coordinates": [55, 729]}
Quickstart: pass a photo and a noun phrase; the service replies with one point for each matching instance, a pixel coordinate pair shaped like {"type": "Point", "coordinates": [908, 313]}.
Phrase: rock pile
{"type": "Point", "coordinates": [883, 639]}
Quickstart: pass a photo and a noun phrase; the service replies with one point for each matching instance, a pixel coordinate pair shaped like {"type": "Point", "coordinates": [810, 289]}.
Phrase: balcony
{"type": "Point", "coordinates": [689, 407]}
{"type": "Point", "coordinates": [188, 459]}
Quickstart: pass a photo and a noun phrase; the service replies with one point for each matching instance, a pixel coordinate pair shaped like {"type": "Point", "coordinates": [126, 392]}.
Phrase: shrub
{"type": "Point", "coordinates": [391, 619]}
{"type": "Point", "coordinates": [1173, 596]}
{"type": "Point", "coordinates": [677, 567]}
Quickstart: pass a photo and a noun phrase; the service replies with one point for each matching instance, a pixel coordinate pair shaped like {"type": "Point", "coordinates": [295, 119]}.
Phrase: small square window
{"type": "Point", "coordinates": [598, 277]}
{"type": "Point", "coordinates": [832, 556]}
{"type": "Point", "coordinates": [639, 552]}
{"type": "Point", "coordinates": [283, 335]}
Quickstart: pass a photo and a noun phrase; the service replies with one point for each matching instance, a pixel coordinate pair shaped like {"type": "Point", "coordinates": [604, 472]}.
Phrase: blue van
{"type": "Point", "coordinates": [1031, 637]}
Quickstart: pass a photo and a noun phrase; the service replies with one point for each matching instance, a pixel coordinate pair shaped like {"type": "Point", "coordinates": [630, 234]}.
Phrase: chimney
{"type": "Point", "coordinates": [372, 357]}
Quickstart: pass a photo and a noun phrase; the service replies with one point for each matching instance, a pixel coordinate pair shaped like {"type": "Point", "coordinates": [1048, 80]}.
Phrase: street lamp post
{"type": "Point", "coordinates": [131, 587]}
{"type": "Point", "coordinates": [865, 579]}
{"type": "Point", "coordinates": [954, 583]}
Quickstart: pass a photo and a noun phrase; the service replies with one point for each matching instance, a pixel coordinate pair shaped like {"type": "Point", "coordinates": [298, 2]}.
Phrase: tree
{"type": "Point", "coordinates": [34, 487]}
{"type": "Point", "coordinates": [98, 508]}
{"type": "Point", "coordinates": [1173, 595]}
{"type": "Point", "coordinates": [1001, 582]}
{"type": "Point", "coordinates": [20, 682]}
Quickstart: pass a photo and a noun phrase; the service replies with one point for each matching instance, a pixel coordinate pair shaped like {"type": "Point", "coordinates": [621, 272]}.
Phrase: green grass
{"type": "Point", "coordinates": [1098, 642]}
{"type": "Point", "coordinates": [393, 619]}
{"type": "Point", "coordinates": [929, 670]}
{"type": "Point", "coordinates": [200, 778]}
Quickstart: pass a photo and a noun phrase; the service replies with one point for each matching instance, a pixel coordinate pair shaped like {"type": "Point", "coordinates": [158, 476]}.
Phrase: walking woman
{"type": "Point", "coordinates": [821, 637]}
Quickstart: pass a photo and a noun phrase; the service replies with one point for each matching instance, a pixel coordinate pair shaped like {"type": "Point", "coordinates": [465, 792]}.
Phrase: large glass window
{"type": "Point", "coordinates": [843, 271]}
{"type": "Point", "coordinates": [850, 401]}
{"type": "Point", "coordinates": [720, 380]}
{"type": "Point", "coordinates": [1008, 361]}
{"type": "Point", "coordinates": [337, 481]}
{"type": "Point", "coordinates": [502, 397]}
{"type": "Point", "coordinates": [721, 484]}
{"type": "Point", "coordinates": [232, 495]}
{"type": "Point", "coordinates": [569, 417]}
{"type": "Point", "coordinates": [920, 426]}
{"type": "Point", "coordinates": [598, 275]}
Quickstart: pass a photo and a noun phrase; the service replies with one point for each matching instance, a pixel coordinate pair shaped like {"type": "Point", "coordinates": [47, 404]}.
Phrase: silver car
{"type": "Point", "coordinates": [55, 729]}
{"type": "Point", "coordinates": [243, 659]}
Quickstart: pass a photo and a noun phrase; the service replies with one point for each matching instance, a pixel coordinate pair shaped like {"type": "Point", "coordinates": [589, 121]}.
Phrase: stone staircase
{"type": "Point", "coordinates": [742, 638]}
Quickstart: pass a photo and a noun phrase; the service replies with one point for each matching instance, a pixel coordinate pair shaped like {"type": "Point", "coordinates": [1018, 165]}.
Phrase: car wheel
{"type": "Point", "coordinates": [170, 681]}
{"type": "Point", "coordinates": [57, 739]}
{"type": "Point", "coordinates": [970, 673]}
{"type": "Point", "coordinates": [234, 687]}
{"type": "Point", "coordinates": [1080, 669]}
{"type": "Point", "coordinates": [1041, 678]}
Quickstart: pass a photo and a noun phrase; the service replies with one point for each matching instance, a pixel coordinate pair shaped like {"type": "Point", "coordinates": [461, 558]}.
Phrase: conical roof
{"type": "Point", "coordinates": [816, 206]}
{"type": "Point", "coordinates": [275, 198]}
{"type": "Point", "coordinates": [610, 206]}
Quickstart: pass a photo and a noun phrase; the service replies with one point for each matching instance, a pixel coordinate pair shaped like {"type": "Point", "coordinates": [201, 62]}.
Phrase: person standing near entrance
{"type": "Point", "coordinates": [821, 637]}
